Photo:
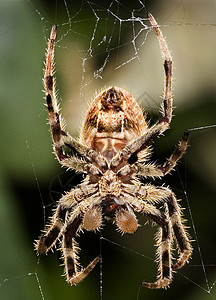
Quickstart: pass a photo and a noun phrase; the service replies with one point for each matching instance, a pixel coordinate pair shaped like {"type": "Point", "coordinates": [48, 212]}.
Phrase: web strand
{"type": "Point", "coordinates": [37, 182]}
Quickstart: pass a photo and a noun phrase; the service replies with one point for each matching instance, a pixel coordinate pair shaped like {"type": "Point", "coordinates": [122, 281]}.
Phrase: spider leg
{"type": "Point", "coordinates": [59, 136]}
{"type": "Point", "coordinates": [48, 240]}
{"type": "Point", "coordinates": [168, 101]}
{"type": "Point", "coordinates": [69, 249]}
{"type": "Point", "coordinates": [164, 238]}
{"type": "Point", "coordinates": [178, 152]}
{"type": "Point", "coordinates": [87, 204]}
{"type": "Point", "coordinates": [54, 230]}
{"type": "Point", "coordinates": [164, 243]}
{"type": "Point", "coordinates": [152, 170]}
{"type": "Point", "coordinates": [185, 248]}
{"type": "Point", "coordinates": [158, 195]}
{"type": "Point", "coordinates": [129, 153]}
{"type": "Point", "coordinates": [54, 118]}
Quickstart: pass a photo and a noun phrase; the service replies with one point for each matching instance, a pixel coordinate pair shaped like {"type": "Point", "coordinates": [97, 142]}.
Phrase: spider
{"type": "Point", "coordinates": [113, 151]}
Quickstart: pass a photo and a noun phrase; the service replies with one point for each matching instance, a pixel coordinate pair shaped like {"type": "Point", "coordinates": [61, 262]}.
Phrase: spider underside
{"type": "Point", "coordinates": [113, 151]}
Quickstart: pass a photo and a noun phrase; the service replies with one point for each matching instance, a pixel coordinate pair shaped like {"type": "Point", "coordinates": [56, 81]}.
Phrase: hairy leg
{"type": "Point", "coordinates": [164, 256]}
{"type": "Point", "coordinates": [155, 195]}
{"type": "Point", "coordinates": [48, 240]}
{"type": "Point", "coordinates": [69, 250]}
{"type": "Point", "coordinates": [87, 216]}
{"type": "Point", "coordinates": [168, 101]}
{"type": "Point", "coordinates": [180, 234]}
{"type": "Point", "coordinates": [129, 153]}
{"type": "Point", "coordinates": [54, 229]}
{"type": "Point", "coordinates": [59, 136]}
{"type": "Point", "coordinates": [164, 243]}
{"type": "Point", "coordinates": [151, 170]}
{"type": "Point", "coordinates": [178, 152]}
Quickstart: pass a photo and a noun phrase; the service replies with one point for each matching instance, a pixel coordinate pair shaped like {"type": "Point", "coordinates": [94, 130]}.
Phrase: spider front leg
{"type": "Point", "coordinates": [164, 244]}
{"type": "Point", "coordinates": [158, 195]}
{"type": "Point", "coordinates": [149, 198]}
{"type": "Point", "coordinates": [184, 245]}
{"type": "Point", "coordinates": [69, 250]}
{"type": "Point", "coordinates": [164, 241]}
{"type": "Point", "coordinates": [164, 238]}
{"type": "Point", "coordinates": [54, 230]}
{"type": "Point", "coordinates": [82, 214]}
{"type": "Point", "coordinates": [48, 240]}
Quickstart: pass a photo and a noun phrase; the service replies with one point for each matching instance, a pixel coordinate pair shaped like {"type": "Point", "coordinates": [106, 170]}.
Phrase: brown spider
{"type": "Point", "coordinates": [112, 151]}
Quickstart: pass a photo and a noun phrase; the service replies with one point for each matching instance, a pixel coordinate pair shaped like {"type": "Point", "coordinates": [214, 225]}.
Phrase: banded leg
{"type": "Point", "coordinates": [69, 249]}
{"type": "Point", "coordinates": [164, 240]}
{"type": "Point", "coordinates": [59, 136]}
{"type": "Point", "coordinates": [54, 118]}
{"type": "Point", "coordinates": [129, 154]}
{"type": "Point", "coordinates": [161, 170]}
{"type": "Point", "coordinates": [176, 155]}
{"type": "Point", "coordinates": [155, 195]}
{"type": "Point", "coordinates": [181, 236]}
{"type": "Point", "coordinates": [48, 240]}
{"type": "Point", "coordinates": [168, 101]}
{"type": "Point", "coordinates": [54, 229]}
{"type": "Point", "coordinates": [164, 243]}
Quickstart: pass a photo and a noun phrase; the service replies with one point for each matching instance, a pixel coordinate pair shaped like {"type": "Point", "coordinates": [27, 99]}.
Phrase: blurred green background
{"type": "Point", "coordinates": [92, 54]}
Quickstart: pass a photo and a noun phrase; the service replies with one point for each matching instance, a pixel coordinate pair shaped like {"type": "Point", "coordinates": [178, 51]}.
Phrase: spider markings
{"type": "Point", "coordinates": [113, 151]}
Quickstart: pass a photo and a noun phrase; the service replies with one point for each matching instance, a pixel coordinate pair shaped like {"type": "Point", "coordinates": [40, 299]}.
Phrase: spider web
{"type": "Point", "coordinates": [101, 44]}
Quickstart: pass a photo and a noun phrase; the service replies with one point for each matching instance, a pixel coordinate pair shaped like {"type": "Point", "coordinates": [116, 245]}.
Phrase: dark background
{"type": "Point", "coordinates": [31, 178]}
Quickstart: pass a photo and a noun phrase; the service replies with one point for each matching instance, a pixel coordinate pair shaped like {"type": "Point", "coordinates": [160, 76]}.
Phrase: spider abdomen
{"type": "Point", "coordinates": [114, 119]}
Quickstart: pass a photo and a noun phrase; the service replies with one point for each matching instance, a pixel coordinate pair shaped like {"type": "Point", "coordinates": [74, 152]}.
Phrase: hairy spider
{"type": "Point", "coordinates": [113, 152]}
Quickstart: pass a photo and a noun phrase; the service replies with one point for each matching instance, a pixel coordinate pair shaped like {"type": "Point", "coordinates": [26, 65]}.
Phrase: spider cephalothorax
{"type": "Point", "coordinates": [113, 152]}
